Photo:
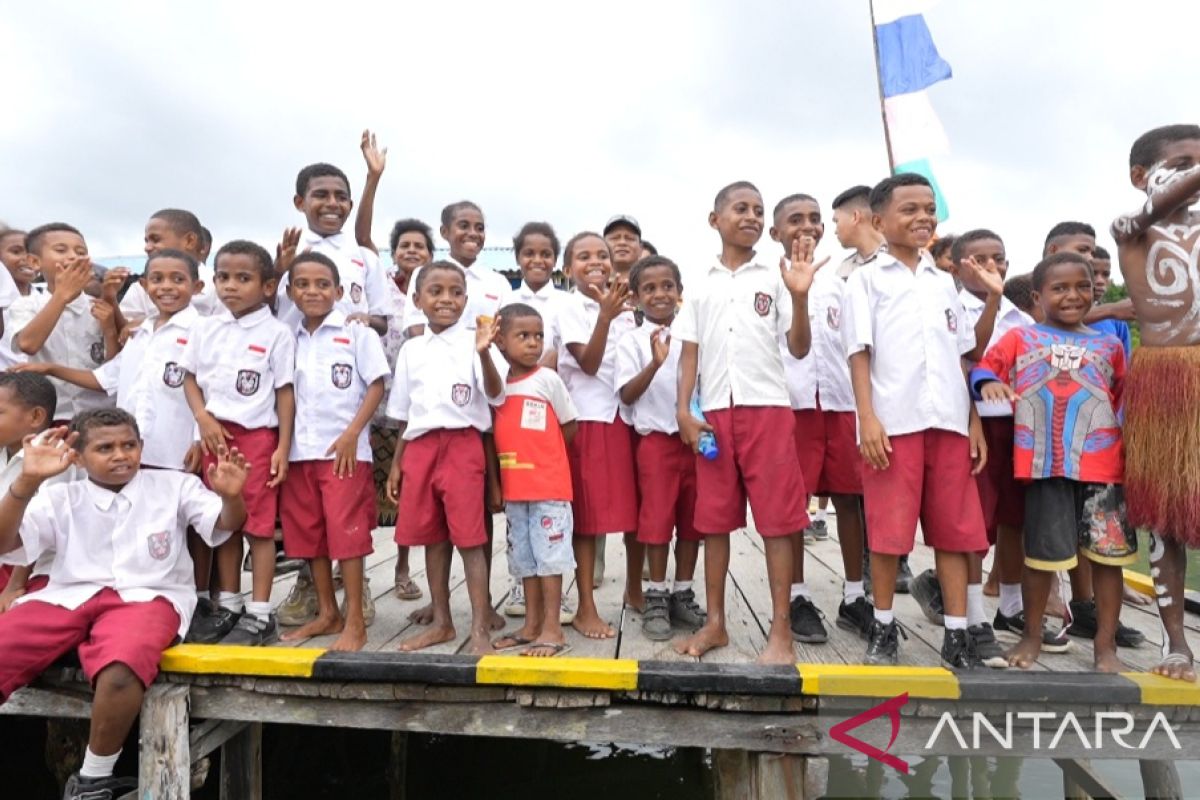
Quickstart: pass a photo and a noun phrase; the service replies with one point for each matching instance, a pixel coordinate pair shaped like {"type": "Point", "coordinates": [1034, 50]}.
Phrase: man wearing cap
{"type": "Point", "coordinates": [624, 237]}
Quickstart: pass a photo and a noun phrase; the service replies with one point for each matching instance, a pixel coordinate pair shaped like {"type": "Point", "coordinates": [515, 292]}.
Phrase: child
{"type": "Point", "coordinates": [1019, 291]}
{"type": "Point", "coordinates": [121, 613]}
{"type": "Point", "coordinates": [444, 380]}
{"type": "Point", "coordinates": [534, 425]}
{"type": "Point", "coordinates": [624, 237]}
{"type": "Point", "coordinates": [238, 382]}
{"type": "Point", "coordinates": [15, 258]}
{"type": "Point", "coordinates": [326, 504]}
{"type": "Point", "coordinates": [1065, 380]}
{"type": "Point", "coordinates": [170, 229]}
{"type": "Point", "coordinates": [647, 374]}
{"type": "Point", "coordinates": [536, 248]}
{"type": "Point", "coordinates": [918, 430]}
{"type": "Point", "coordinates": [64, 326]}
{"type": "Point", "coordinates": [1161, 470]}
{"type": "Point", "coordinates": [823, 406]}
{"type": "Point", "coordinates": [591, 325]}
{"type": "Point", "coordinates": [730, 328]}
{"type": "Point", "coordinates": [1109, 317]}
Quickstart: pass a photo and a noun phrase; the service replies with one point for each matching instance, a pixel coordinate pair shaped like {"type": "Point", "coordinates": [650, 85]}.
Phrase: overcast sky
{"type": "Point", "coordinates": [542, 110]}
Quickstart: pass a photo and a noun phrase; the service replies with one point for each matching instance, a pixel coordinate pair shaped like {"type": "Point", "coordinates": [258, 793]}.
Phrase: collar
{"type": "Point", "coordinates": [526, 291]}
{"type": "Point", "coordinates": [105, 498]}
{"type": "Point", "coordinates": [747, 267]}
{"type": "Point", "coordinates": [334, 319]}
{"type": "Point", "coordinates": [8, 462]}
{"type": "Point", "coordinates": [925, 264]}
{"type": "Point", "coordinates": [249, 320]}
{"type": "Point", "coordinates": [447, 334]}
{"type": "Point", "coordinates": [312, 238]}
{"type": "Point", "coordinates": [182, 319]}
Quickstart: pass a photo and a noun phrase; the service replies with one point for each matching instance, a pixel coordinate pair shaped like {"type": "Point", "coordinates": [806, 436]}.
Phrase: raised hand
{"type": "Point", "coordinates": [72, 278]}
{"type": "Point", "coordinates": [987, 273]}
{"type": "Point", "coordinates": [285, 251]}
{"type": "Point", "coordinates": [376, 158]}
{"type": "Point", "coordinates": [114, 279]}
{"type": "Point", "coordinates": [487, 333]}
{"type": "Point", "coordinates": [799, 274]}
{"type": "Point", "coordinates": [995, 391]}
{"type": "Point", "coordinates": [48, 453]}
{"type": "Point", "coordinates": [660, 345]}
{"type": "Point", "coordinates": [104, 313]}
{"type": "Point", "coordinates": [613, 300]}
{"type": "Point", "coordinates": [227, 477]}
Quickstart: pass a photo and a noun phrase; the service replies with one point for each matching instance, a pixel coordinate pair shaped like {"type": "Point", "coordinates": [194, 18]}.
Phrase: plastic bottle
{"type": "Point", "coordinates": [707, 446]}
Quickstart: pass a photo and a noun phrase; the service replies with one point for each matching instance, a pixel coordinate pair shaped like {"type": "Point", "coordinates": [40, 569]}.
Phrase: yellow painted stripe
{"type": "Point", "coordinates": [859, 680]}
{"type": "Point", "coordinates": [1139, 582]}
{"type": "Point", "coordinates": [572, 673]}
{"type": "Point", "coordinates": [214, 659]}
{"type": "Point", "coordinates": [1160, 691]}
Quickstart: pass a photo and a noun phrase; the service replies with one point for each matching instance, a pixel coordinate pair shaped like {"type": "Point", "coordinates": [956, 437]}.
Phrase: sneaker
{"type": "Point", "coordinates": [656, 619]}
{"type": "Point", "coordinates": [806, 621]}
{"type": "Point", "coordinates": [514, 606]}
{"type": "Point", "coordinates": [686, 612]}
{"type": "Point", "coordinates": [904, 576]}
{"type": "Point", "coordinates": [928, 593]}
{"type": "Point", "coordinates": [883, 643]}
{"type": "Point", "coordinates": [820, 530]}
{"type": "Point", "coordinates": [110, 788]}
{"type": "Point", "coordinates": [204, 609]}
{"type": "Point", "coordinates": [958, 650]}
{"type": "Point", "coordinates": [368, 603]}
{"type": "Point", "coordinates": [990, 653]}
{"type": "Point", "coordinates": [1084, 625]}
{"type": "Point", "coordinates": [213, 628]}
{"type": "Point", "coordinates": [1052, 641]}
{"type": "Point", "coordinates": [252, 631]}
{"type": "Point", "coordinates": [566, 611]}
{"type": "Point", "coordinates": [856, 616]}
{"type": "Point", "coordinates": [301, 606]}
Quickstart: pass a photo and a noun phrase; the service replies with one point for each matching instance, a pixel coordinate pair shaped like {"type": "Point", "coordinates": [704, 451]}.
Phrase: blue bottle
{"type": "Point", "coordinates": [708, 443]}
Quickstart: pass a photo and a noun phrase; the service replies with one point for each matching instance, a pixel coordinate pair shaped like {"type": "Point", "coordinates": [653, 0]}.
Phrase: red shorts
{"type": "Point", "coordinates": [442, 490]}
{"type": "Point", "coordinates": [1000, 494]}
{"type": "Point", "coordinates": [602, 479]}
{"type": "Point", "coordinates": [325, 516]}
{"type": "Point", "coordinates": [928, 479]}
{"type": "Point", "coordinates": [106, 629]}
{"type": "Point", "coordinates": [827, 444]}
{"type": "Point", "coordinates": [666, 472]}
{"type": "Point", "coordinates": [757, 460]}
{"type": "Point", "coordinates": [34, 583]}
{"type": "Point", "coordinates": [262, 502]}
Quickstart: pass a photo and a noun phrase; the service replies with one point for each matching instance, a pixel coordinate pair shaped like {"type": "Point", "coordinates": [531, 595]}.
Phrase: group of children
{"type": "Point", "coordinates": [629, 405]}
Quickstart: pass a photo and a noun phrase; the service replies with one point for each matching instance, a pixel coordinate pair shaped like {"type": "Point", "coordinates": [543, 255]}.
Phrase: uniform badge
{"type": "Point", "coordinates": [341, 374]}
{"type": "Point", "coordinates": [762, 303]}
{"type": "Point", "coordinates": [97, 352]}
{"type": "Point", "coordinates": [461, 394]}
{"type": "Point", "coordinates": [247, 382]}
{"type": "Point", "coordinates": [159, 545]}
{"type": "Point", "coordinates": [951, 321]}
{"type": "Point", "coordinates": [173, 375]}
{"type": "Point", "coordinates": [356, 293]}
{"type": "Point", "coordinates": [833, 317]}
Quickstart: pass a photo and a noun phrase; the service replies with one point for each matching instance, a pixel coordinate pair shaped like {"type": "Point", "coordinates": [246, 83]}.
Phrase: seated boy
{"type": "Point", "coordinates": [120, 632]}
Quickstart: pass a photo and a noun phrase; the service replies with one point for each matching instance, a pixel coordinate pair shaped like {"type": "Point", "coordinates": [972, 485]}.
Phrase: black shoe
{"type": "Point", "coordinates": [212, 627]}
{"type": "Point", "coordinates": [80, 788]}
{"type": "Point", "coordinates": [958, 650]}
{"type": "Point", "coordinates": [1084, 625]}
{"type": "Point", "coordinates": [990, 653]}
{"type": "Point", "coordinates": [904, 576]}
{"type": "Point", "coordinates": [806, 622]}
{"type": "Point", "coordinates": [883, 643]}
{"type": "Point", "coordinates": [1052, 641]}
{"type": "Point", "coordinates": [856, 616]}
{"type": "Point", "coordinates": [928, 593]}
{"type": "Point", "coordinates": [252, 631]}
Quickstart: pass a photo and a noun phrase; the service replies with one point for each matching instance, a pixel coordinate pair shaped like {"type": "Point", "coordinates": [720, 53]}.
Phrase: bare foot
{"type": "Point", "coordinates": [546, 649]}
{"type": "Point", "coordinates": [1107, 662]}
{"type": "Point", "coordinates": [519, 638]}
{"type": "Point", "coordinates": [1135, 597]}
{"type": "Point", "coordinates": [777, 651]}
{"type": "Point", "coordinates": [321, 626]}
{"type": "Point", "coordinates": [428, 638]}
{"type": "Point", "coordinates": [635, 599]}
{"type": "Point", "coordinates": [480, 644]}
{"type": "Point", "coordinates": [353, 639]}
{"type": "Point", "coordinates": [1177, 666]}
{"type": "Point", "coordinates": [703, 640]}
{"type": "Point", "coordinates": [423, 615]}
{"type": "Point", "coordinates": [1024, 653]}
{"type": "Point", "coordinates": [495, 621]}
{"type": "Point", "coordinates": [591, 626]}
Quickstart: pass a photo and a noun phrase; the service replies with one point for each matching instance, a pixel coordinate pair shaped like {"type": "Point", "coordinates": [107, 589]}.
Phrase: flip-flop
{"type": "Point", "coordinates": [517, 641]}
{"type": "Point", "coordinates": [558, 648]}
{"type": "Point", "coordinates": [408, 590]}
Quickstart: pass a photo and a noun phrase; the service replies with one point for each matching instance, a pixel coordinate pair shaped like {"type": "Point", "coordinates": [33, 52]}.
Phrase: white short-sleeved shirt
{"type": "Point", "coordinates": [595, 395]}
{"type": "Point", "coordinates": [363, 279]}
{"type": "Point", "coordinates": [9, 293]}
{"type": "Point", "coordinates": [915, 328]}
{"type": "Point", "coordinates": [10, 468]}
{"type": "Point", "coordinates": [548, 301]}
{"type": "Point", "coordinates": [439, 384]}
{"type": "Point", "coordinates": [737, 318]}
{"type": "Point", "coordinates": [1007, 318]}
{"type": "Point", "coordinates": [239, 362]}
{"type": "Point", "coordinates": [147, 380]}
{"type": "Point", "coordinates": [76, 342]}
{"type": "Point", "coordinates": [334, 367]}
{"type": "Point", "coordinates": [655, 409]}
{"type": "Point", "coordinates": [133, 541]}
{"type": "Point", "coordinates": [487, 291]}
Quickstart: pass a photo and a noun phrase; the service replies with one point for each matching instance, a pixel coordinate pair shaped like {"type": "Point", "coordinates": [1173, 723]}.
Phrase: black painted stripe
{"type": "Point", "coordinates": [1019, 686]}
{"type": "Point", "coordinates": [688, 676]}
{"type": "Point", "coordinates": [457, 670]}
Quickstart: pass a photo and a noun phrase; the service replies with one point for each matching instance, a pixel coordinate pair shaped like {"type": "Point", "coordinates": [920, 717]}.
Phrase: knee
{"type": "Point", "coordinates": [117, 678]}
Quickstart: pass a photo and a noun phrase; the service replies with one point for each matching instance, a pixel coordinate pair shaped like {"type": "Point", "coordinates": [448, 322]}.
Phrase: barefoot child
{"type": "Point", "coordinates": [730, 328]}
{"type": "Point", "coordinates": [534, 425]}
{"type": "Point", "coordinates": [443, 383]}
{"type": "Point", "coordinates": [647, 374]}
{"type": "Point", "coordinates": [238, 382]}
{"type": "Point", "coordinates": [1065, 380]}
{"type": "Point", "coordinates": [1157, 248]}
{"type": "Point", "coordinates": [121, 613]}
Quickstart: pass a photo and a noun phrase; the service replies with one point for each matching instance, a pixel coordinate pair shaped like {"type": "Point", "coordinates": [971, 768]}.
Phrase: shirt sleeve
{"type": "Point", "coordinates": [500, 363]}
{"type": "Point", "coordinates": [37, 532]}
{"type": "Point", "coordinates": [370, 358]}
{"type": "Point", "coordinates": [858, 332]}
{"type": "Point", "coordinates": [283, 358]}
{"type": "Point", "coordinates": [783, 309]}
{"type": "Point", "coordinates": [16, 317]}
{"type": "Point", "coordinates": [399, 400]}
{"type": "Point", "coordinates": [998, 363]}
{"type": "Point", "coordinates": [189, 359]}
{"type": "Point", "coordinates": [412, 314]}
{"type": "Point", "coordinates": [200, 508]}
{"type": "Point", "coordinates": [560, 399]}
{"type": "Point", "coordinates": [629, 361]}
{"type": "Point", "coordinates": [686, 327]}
{"type": "Point", "coordinates": [8, 289]}
{"type": "Point", "coordinates": [1126, 337]}
{"type": "Point", "coordinates": [574, 327]}
{"type": "Point", "coordinates": [379, 298]}
{"type": "Point", "coordinates": [108, 374]}
{"type": "Point", "coordinates": [966, 332]}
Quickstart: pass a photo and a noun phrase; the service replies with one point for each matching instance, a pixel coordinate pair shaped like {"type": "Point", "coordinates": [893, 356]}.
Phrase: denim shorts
{"type": "Point", "coordinates": [539, 538]}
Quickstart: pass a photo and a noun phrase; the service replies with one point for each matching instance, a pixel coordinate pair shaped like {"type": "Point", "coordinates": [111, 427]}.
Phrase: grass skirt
{"type": "Point", "coordinates": [383, 446]}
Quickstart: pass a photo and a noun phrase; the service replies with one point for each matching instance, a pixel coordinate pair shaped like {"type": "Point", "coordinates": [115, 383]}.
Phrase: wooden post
{"type": "Point", "coordinates": [164, 764]}
{"type": "Point", "coordinates": [398, 766]}
{"type": "Point", "coordinates": [1160, 779]}
{"type": "Point", "coordinates": [741, 775]}
{"type": "Point", "coordinates": [241, 765]}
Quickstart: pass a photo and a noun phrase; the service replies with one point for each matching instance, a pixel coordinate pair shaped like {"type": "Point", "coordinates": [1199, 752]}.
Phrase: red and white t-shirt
{"type": "Point", "coordinates": [529, 440]}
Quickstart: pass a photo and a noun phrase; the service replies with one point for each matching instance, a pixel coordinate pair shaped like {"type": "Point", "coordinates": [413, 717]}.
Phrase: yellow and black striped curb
{"type": "Point", "coordinates": [818, 680]}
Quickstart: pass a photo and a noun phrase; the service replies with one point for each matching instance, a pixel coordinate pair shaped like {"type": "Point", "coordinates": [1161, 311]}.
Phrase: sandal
{"type": "Point", "coordinates": [514, 640]}
{"type": "Point", "coordinates": [559, 649]}
{"type": "Point", "coordinates": [407, 589]}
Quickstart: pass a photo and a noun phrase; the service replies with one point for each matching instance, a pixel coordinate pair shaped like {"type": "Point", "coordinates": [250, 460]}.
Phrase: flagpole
{"type": "Point", "coordinates": [887, 136]}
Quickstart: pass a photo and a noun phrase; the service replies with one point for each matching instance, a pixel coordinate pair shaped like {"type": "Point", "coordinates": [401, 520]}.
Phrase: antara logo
{"type": "Point", "coordinates": [840, 732]}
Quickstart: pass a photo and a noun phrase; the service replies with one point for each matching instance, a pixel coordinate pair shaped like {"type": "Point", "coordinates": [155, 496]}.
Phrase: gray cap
{"type": "Point", "coordinates": [623, 219]}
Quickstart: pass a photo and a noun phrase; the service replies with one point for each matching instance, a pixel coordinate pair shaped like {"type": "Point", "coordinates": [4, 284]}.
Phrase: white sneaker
{"type": "Point", "coordinates": [515, 605]}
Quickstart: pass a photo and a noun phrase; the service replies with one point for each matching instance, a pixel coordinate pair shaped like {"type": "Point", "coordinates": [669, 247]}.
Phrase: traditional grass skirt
{"type": "Point", "coordinates": [383, 446]}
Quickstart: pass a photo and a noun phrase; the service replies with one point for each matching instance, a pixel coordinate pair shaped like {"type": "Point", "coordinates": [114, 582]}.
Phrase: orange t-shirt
{"type": "Point", "coordinates": [529, 440]}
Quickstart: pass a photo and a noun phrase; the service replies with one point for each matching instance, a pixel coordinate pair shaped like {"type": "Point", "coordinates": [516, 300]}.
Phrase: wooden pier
{"type": "Point", "coordinates": [763, 725]}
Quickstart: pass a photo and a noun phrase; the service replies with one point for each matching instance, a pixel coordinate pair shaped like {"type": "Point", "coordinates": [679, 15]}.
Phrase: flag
{"type": "Point", "coordinates": [909, 64]}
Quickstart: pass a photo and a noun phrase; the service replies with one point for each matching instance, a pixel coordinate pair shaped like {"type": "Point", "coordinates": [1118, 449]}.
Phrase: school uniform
{"type": "Point", "coordinates": [666, 467]}
{"type": "Point", "coordinates": [547, 301]}
{"type": "Point", "coordinates": [147, 381]}
{"type": "Point", "coordinates": [136, 304]}
{"type": "Point", "coordinates": [439, 391]}
{"type": "Point", "coordinates": [736, 317]}
{"type": "Point", "coordinates": [10, 468]}
{"type": "Point", "coordinates": [9, 294]}
{"type": "Point", "coordinates": [123, 596]}
{"type": "Point", "coordinates": [487, 291]}
{"type": "Point", "coordinates": [76, 341]}
{"type": "Point", "coordinates": [239, 364]}
{"type": "Point", "coordinates": [325, 516]}
{"type": "Point", "coordinates": [914, 327]}
{"type": "Point", "coordinates": [602, 461]}
{"type": "Point", "coordinates": [363, 278]}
